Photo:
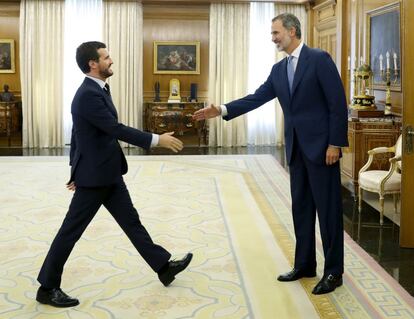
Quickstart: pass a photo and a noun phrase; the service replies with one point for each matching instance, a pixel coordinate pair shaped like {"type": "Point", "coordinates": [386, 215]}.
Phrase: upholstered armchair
{"type": "Point", "coordinates": [382, 182]}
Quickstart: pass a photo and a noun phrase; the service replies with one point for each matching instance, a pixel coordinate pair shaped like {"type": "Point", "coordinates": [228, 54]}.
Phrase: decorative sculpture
{"type": "Point", "coordinates": [157, 92]}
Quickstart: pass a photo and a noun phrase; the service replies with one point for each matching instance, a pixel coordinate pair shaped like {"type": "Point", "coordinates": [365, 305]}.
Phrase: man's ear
{"type": "Point", "coordinates": [92, 64]}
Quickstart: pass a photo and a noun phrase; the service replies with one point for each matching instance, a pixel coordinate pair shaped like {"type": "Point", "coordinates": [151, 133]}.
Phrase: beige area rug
{"type": "Point", "coordinates": [232, 212]}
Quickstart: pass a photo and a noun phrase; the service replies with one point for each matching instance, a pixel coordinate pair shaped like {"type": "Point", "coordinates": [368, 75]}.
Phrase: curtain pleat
{"type": "Point", "coordinates": [261, 122]}
{"type": "Point", "coordinates": [123, 25]}
{"type": "Point", "coordinates": [229, 37]}
{"type": "Point", "coordinates": [41, 61]}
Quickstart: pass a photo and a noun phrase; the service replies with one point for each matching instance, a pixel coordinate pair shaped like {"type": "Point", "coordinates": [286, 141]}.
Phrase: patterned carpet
{"type": "Point", "coordinates": [232, 212]}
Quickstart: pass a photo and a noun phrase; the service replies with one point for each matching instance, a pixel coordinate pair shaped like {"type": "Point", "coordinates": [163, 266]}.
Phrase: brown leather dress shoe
{"type": "Point", "coordinates": [296, 274]}
{"type": "Point", "coordinates": [55, 297]}
{"type": "Point", "coordinates": [327, 284]}
{"type": "Point", "coordinates": [174, 267]}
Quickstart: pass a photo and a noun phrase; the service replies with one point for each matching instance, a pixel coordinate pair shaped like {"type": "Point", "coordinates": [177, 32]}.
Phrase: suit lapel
{"type": "Point", "coordinates": [107, 98]}
{"type": "Point", "coordinates": [111, 105]}
{"type": "Point", "coordinates": [300, 68]}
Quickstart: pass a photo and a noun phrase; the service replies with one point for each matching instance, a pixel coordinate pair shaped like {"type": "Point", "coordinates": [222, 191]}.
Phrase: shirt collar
{"type": "Point", "coordinates": [297, 51]}
{"type": "Point", "coordinates": [99, 81]}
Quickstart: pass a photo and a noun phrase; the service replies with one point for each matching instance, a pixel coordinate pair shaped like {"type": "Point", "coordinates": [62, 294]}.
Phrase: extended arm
{"type": "Point", "coordinates": [95, 111]}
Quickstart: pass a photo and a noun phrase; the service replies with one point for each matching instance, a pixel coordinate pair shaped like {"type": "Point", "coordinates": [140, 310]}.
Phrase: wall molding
{"type": "Point", "coordinates": [9, 9]}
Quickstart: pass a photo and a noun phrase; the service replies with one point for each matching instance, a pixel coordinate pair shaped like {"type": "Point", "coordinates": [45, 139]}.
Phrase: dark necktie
{"type": "Point", "coordinates": [290, 71]}
{"type": "Point", "coordinates": [106, 89]}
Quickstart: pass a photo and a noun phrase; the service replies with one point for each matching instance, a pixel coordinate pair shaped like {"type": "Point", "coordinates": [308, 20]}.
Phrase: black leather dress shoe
{"type": "Point", "coordinates": [296, 274]}
{"type": "Point", "coordinates": [167, 275]}
{"type": "Point", "coordinates": [55, 297]}
{"type": "Point", "coordinates": [327, 284]}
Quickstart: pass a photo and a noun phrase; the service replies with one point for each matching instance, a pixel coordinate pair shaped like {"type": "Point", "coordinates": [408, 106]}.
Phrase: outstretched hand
{"type": "Point", "coordinates": [206, 113]}
{"type": "Point", "coordinates": [167, 140]}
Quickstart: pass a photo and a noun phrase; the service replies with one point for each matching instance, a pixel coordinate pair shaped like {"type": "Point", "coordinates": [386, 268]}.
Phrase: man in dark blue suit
{"type": "Point", "coordinates": [312, 97]}
{"type": "Point", "coordinates": [97, 165]}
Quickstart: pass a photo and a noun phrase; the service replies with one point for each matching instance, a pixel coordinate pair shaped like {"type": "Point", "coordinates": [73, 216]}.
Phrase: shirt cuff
{"type": "Point", "coordinates": [155, 140]}
{"type": "Point", "coordinates": [223, 110]}
{"type": "Point", "coordinates": [334, 146]}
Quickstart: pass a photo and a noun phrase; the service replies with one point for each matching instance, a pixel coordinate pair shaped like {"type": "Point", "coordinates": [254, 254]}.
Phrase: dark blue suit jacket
{"type": "Point", "coordinates": [316, 110]}
{"type": "Point", "coordinates": [95, 154]}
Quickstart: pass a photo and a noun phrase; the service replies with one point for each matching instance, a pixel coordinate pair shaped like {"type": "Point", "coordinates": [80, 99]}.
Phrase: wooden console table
{"type": "Point", "coordinates": [161, 117]}
{"type": "Point", "coordinates": [10, 122]}
{"type": "Point", "coordinates": [363, 135]}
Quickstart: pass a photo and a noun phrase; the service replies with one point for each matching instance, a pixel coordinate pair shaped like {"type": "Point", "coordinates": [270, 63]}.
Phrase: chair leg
{"type": "Point", "coordinates": [381, 200]}
{"type": "Point", "coordinates": [359, 198]}
{"type": "Point", "coordinates": [395, 202]}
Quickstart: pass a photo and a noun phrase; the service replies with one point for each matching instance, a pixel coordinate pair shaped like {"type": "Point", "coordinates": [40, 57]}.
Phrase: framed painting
{"type": "Point", "coordinates": [384, 45]}
{"type": "Point", "coordinates": [7, 56]}
{"type": "Point", "coordinates": [176, 57]}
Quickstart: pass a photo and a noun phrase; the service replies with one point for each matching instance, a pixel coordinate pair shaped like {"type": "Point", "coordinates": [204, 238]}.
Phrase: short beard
{"type": "Point", "coordinates": [105, 74]}
{"type": "Point", "coordinates": [279, 48]}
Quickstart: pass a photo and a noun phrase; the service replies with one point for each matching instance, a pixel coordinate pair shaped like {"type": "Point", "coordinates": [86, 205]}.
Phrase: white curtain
{"type": "Point", "coordinates": [299, 11]}
{"type": "Point", "coordinates": [229, 36]}
{"type": "Point", "coordinates": [41, 61]}
{"type": "Point", "coordinates": [261, 122]}
{"type": "Point", "coordinates": [83, 22]}
{"type": "Point", "coordinates": [123, 28]}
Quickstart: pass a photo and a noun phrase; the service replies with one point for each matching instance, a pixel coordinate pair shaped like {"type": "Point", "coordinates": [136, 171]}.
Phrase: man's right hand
{"type": "Point", "coordinates": [168, 141]}
{"type": "Point", "coordinates": [71, 186]}
{"type": "Point", "coordinates": [207, 113]}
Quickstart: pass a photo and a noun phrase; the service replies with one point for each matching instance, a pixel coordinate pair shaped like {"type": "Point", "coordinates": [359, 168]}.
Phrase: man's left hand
{"type": "Point", "coordinates": [332, 154]}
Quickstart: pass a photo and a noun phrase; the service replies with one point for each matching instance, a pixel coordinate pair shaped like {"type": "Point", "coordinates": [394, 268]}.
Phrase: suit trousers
{"type": "Point", "coordinates": [85, 203]}
{"type": "Point", "coordinates": [316, 189]}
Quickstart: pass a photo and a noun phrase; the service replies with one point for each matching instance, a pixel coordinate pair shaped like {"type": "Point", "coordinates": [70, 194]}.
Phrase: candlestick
{"type": "Point", "coordinates": [380, 59]}
{"type": "Point", "coordinates": [389, 77]}
{"type": "Point", "coordinates": [349, 63]}
{"type": "Point", "coordinates": [388, 60]}
{"type": "Point", "coordinates": [387, 109]}
{"type": "Point", "coordinates": [361, 61]}
{"type": "Point", "coordinates": [395, 61]}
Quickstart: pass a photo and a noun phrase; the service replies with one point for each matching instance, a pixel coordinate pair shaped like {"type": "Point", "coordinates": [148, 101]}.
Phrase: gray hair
{"type": "Point", "coordinates": [289, 21]}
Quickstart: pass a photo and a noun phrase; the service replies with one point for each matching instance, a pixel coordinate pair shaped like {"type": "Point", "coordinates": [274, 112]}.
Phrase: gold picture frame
{"type": "Point", "coordinates": [384, 34]}
{"type": "Point", "coordinates": [7, 56]}
{"type": "Point", "coordinates": [176, 57]}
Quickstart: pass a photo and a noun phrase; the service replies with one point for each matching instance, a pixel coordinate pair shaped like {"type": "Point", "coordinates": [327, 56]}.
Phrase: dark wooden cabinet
{"type": "Point", "coordinates": [363, 135]}
{"type": "Point", "coordinates": [10, 118]}
{"type": "Point", "coordinates": [161, 117]}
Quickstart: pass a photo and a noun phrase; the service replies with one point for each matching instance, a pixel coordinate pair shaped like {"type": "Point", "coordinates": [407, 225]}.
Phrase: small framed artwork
{"type": "Point", "coordinates": [174, 91]}
{"type": "Point", "coordinates": [7, 56]}
{"type": "Point", "coordinates": [176, 57]}
{"type": "Point", "coordinates": [384, 45]}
